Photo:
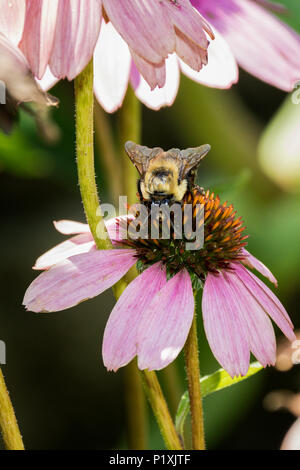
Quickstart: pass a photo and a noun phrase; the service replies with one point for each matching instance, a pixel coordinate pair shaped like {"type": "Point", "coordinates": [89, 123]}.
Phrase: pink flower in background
{"type": "Point", "coordinates": [148, 42]}
{"type": "Point", "coordinates": [63, 34]}
{"type": "Point", "coordinates": [262, 44]}
{"type": "Point", "coordinates": [152, 318]}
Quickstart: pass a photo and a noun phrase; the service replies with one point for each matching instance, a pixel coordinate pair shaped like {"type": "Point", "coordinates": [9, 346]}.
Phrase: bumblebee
{"type": "Point", "coordinates": [165, 177]}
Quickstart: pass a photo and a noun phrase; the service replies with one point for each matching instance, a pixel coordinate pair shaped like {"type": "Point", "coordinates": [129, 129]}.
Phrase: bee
{"type": "Point", "coordinates": [165, 176]}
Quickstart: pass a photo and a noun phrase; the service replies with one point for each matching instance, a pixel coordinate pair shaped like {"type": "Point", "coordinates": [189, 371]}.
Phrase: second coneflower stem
{"type": "Point", "coordinates": [193, 375]}
{"type": "Point", "coordinates": [161, 410]}
{"type": "Point", "coordinates": [8, 423]}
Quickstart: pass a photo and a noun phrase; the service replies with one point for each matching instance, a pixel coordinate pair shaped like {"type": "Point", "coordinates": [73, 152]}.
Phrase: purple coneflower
{"type": "Point", "coordinates": [148, 42]}
{"type": "Point", "coordinates": [152, 318]}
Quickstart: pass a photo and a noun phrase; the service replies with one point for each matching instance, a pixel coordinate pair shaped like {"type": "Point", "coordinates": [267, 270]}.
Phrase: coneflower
{"type": "Point", "coordinates": [152, 318]}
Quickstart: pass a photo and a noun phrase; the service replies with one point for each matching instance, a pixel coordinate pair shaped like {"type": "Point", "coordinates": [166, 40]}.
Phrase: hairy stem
{"type": "Point", "coordinates": [161, 411]}
{"type": "Point", "coordinates": [8, 423]}
{"type": "Point", "coordinates": [193, 375]}
{"type": "Point", "coordinates": [84, 102]}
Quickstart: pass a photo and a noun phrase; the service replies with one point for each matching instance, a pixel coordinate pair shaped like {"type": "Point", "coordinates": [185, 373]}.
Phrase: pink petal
{"type": "Point", "coordinates": [70, 227]}
{"type": "Point", "coordinates": [77, 30]}
{"type": "Point", "coordinates": [116, 230]}
{"type": "Point", "coordinates": [260, 334]}
{"type": "Point", "coordinates": [221, 70]}
{"type": "Point", "coordinates": [188, 20]}
{"type": "Point", "coordinates": [165, 323]}
{"type": "Point", "coordinates": [159, 97]}
{"type": "Point", "coordinates": [112, 61]}
{"type": "Point", "coordinates": [144, 25]}
{"type": "Point", "coordinates": [76, 279]}
{"type": "Point", "coordinates": [254, 263]}
{"type": "Point", "coordinates": [38, 35]}
{"type": "Point", "coordinates": [120, 335]}
{"type": "Point", "coordinates": [12, 18]}
{"type": "Point", "coordinates": [192, 54]}
{"type": "Point", "coordinates": [268, 301]}
{"type": "Point", "coordinates": [82, 243]}
{"type": "Point", "coordinates": [261, 43]}
{"type": "Point", "coordinates": [224, 326]}
{"type": "Point", "coordinates": [154, 74]}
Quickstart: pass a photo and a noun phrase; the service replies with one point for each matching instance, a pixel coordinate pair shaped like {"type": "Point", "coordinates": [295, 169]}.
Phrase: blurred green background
{"type": "Point", "coordinates": [63, 396]}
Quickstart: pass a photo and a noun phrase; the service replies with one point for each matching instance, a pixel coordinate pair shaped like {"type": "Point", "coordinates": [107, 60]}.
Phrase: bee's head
{"type": "Point", "coordinates": [161, 180]}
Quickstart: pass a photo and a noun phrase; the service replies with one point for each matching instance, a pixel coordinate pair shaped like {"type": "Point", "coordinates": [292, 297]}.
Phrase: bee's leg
{"type": "Point", "coordinates": [200, 189]}
{"type": "Point", "coordinates": [139, 193]}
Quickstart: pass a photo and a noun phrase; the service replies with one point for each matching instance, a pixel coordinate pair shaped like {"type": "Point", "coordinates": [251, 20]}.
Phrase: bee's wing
{"type": "Point", "coordinates": [140, 155]}
{"type": "Point", "coordinates": [191, 158]}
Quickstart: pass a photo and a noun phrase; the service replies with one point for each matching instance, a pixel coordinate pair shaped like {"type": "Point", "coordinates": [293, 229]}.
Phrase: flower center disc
{"type": "Point", "coordinates": [203, 235]}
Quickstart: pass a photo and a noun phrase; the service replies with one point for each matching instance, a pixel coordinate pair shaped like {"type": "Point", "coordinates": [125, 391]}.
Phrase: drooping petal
{"type": "Point", "coordinates": [70, 227]}
{"type": "Point", "coordinates": [38, 35]}
{"type": "Point", "coordinates": [76, 279]}
{"type": "Point", "coordinates": [268, 300]}
{"type": "Point", "coordinates": [225, 329]}
{"type": "Point", "coordinates": [82, 243]}
{"type": "Point", "coordinates": [260, 334]}
{"type": "Point", "coordinates": [188, 20]}
{"type": "Point", "coordinates": [254, 263]}
{"type": "Point", "coordinates": [154, 74]}
{"type": "Point", "coordinates": [165, 323]}
{"type": "Point", "coordinates": [12, 18]}
{"type": "Point", "coordinates": [261, 43]}
{"type": "Point", "coordinates": [120, 335]}
{"type": "Point", "coordinates": [159, 97]}
{"type": "Point", "coordinates": [144, 25]}
{"type": "Point", "coordinates": [77, 30]}
{"type": "Point", "coordinates": [189, 52]}
{"type": "Point", "coordinates": [112, 61]}
{"type": "Point", "coordinates": [221, 70]}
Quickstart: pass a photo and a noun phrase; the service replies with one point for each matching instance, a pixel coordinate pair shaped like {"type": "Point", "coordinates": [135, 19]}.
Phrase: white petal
{"type": "Point", "coordinates": [164, 96]}
{"type": "Point", "coordinates": [48, 80]}
{"type": "Point", "coordinates": [112, 61]}
{"type": "Point", "coordinates": [221, 70]}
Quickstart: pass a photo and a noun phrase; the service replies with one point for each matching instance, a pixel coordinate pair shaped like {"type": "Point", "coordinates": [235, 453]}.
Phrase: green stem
{"type": "Point", "coordinates": [160, 410]}
{"type": "Point", "coordinates": [106, 148]}
{"type": "Point", "coordinates": [129, 129]}
{"type": "Point", "coordinates": [84, 99]}
{"type": "Point", "coordinates": [84, 102]}
{"type": "Point", "coordinates": [193, 375]}
{"type": "Point", "coordinates": [135, 408]}
{"type": "Point", "coordinates": [8, 423]}
{"type": "Point", "coordinates": [172, 386]}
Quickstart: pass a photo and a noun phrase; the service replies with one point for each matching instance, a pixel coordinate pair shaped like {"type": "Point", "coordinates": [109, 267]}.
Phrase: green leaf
{"type": "Point", "coordinates": [210, 384]}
